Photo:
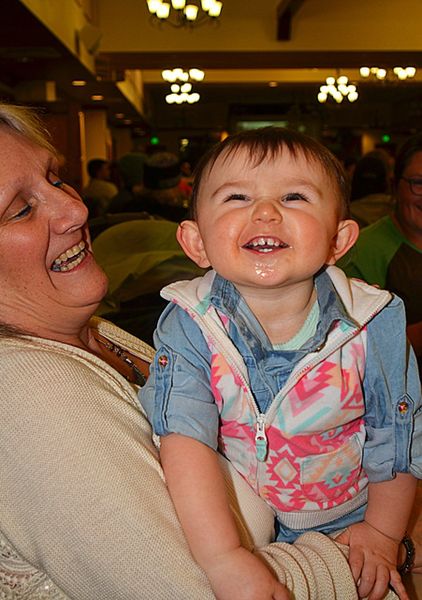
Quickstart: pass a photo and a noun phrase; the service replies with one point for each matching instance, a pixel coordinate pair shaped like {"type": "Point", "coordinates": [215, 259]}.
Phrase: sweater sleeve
{"type": "Point", "coordinates": [83, 497]}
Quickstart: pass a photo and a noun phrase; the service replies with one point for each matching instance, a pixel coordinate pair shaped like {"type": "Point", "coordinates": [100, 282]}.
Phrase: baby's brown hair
{"type": "Point", "coordinates": [268, 142]}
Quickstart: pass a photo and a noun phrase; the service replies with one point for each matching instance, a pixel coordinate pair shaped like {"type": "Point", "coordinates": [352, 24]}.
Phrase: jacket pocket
{"type": "Point", "coordinates": [330, 476]}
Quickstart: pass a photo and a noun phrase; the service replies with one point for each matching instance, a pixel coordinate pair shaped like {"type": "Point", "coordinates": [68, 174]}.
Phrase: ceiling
{"type": "Point", "coordinates": [295, 44]}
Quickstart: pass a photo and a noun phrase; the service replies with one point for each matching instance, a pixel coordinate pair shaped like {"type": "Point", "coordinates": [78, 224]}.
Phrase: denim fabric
{"type": "Point", "coordinates": [178, 397]}
{"type": "Point", "coordinates": [286, 534]}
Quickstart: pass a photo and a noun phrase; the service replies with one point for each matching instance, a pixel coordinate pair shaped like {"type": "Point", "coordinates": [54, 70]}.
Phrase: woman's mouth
{"type": "Point", "coordinates": [70, 259]}
{"type": "Point", "coordinates": [265, 244]}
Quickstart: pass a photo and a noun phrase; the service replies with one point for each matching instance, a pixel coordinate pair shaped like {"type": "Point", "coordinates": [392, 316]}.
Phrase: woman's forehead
{"type": "Point", "coordinates": [16, 148]}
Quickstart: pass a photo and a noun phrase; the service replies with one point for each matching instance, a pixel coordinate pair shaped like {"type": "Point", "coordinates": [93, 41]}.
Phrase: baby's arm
{"type": "Point", "coordinates": [374, 543]}
{"type": "Point", "coordinates": [197, 488]}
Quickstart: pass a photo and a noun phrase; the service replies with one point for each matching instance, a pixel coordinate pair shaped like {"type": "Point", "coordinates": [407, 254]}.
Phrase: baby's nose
{"type": "Point", "coordinates": [267, 210]}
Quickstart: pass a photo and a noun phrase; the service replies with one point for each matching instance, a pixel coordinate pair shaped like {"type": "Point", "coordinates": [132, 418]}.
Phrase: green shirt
{"type": "Point", "coordinates": [384, 257]}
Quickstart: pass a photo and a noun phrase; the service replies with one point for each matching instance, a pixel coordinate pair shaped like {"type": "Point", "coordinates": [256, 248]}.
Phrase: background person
{"type": "Point", "coordinates": [100, 190]}
{"type": "Point", "coordinates": [371, 196]}
{"type": "Point", "coordinates": [131, 171]}
{"type": "Point", "coordinates": [84, 509]}
{"type": "Point", "coordinates": [389, 252]}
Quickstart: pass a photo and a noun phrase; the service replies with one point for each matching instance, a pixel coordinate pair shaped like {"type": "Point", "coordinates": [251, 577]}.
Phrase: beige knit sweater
{"type": "Point", "coordinates": [84, 511]}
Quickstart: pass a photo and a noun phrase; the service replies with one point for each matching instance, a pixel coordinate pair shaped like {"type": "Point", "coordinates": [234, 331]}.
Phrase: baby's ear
{"type": "Point", "coordinates": [190, 239]}
{"type": "Point", "coordinates": [347, 234]}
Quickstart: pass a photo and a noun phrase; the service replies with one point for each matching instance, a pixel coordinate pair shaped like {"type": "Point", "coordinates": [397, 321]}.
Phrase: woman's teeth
{"type": "Point", "coordinates": [70, 259]}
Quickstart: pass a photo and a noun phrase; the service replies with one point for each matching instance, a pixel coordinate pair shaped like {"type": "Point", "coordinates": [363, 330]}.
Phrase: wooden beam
{"type": "Point", "coordinates": [286, 9]}
{"type": "Point", "coordinates": [113, 64]}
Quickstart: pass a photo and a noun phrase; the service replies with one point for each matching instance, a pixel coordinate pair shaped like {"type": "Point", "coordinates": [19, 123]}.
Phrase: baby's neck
{"type": "Point", "coordinates": [283, 314]}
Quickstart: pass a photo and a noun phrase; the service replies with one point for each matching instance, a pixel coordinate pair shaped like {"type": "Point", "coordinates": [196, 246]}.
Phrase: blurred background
{"type": "Point", "coordinates": [95, 69]}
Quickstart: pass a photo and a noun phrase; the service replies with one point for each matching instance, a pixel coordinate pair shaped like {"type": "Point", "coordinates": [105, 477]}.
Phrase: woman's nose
{"type": "Point", "coordinates": [267, 210]}
{"type": "Point", "coordinates": [68, 212]}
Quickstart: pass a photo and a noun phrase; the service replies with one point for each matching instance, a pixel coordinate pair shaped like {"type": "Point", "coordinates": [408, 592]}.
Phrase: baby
{"type": "Point", "coordinates": [301, 377]}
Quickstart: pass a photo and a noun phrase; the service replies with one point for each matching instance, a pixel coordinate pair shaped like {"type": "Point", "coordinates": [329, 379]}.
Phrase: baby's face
{"type": "Point", "coordinates": [269, 225]}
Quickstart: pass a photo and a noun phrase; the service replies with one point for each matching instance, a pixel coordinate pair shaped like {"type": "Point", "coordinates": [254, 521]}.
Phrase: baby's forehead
{"type": "Point", "coordinates": [243, 156]}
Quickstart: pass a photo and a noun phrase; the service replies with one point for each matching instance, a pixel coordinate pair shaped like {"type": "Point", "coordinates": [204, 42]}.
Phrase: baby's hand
{"type": "Point", "coordinates": [373, 561]}
{"type": "Point", "coordinates": [240, 574]}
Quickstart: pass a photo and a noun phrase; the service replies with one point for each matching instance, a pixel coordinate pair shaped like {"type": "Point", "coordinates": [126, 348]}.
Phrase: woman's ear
{"type": "Point", "coordinates": [347, 234]}
{"type": "Point", "coordinates": [190, 239]}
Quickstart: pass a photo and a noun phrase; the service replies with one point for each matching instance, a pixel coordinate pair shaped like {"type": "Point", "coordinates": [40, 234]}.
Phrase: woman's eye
{"type": "Point", "coordinates": [294, 196]}
{"type": "Point", "coordinates": [23, 212]}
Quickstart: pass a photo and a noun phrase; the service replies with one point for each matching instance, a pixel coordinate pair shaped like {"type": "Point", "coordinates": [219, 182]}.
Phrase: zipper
{"type": "Point", "coordinates": [261, 440]}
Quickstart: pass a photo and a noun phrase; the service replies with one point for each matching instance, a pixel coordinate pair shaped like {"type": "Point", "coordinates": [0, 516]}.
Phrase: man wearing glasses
{"type": "Point", "coordinates": [388, 253]}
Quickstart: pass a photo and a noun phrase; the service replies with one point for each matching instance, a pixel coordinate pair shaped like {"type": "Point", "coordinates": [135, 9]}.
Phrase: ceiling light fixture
{"type": "Point", "coordinates": [338, 89]}
{"type": "Point", "coordinates": [181, 86]}
{"type": "Point", "coordinates": [182, 13]}
{"type": "Point", "coordinates": [402, 73]}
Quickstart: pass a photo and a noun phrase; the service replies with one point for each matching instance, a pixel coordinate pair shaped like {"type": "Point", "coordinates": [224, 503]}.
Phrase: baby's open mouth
{"type": "Point", "coordinates": [70, 259]}
{"type": "Point", "coordinates": [265, 244]}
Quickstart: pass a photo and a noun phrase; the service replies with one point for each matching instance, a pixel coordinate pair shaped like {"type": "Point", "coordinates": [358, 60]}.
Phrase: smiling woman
{"type": "Point", "coordinates": [84, 509]}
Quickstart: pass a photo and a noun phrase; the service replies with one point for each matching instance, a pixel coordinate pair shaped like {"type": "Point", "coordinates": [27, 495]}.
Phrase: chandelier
{"type": "Point", "coordinates": [181, 86]}
{"type": "Point", "coordinates": [184, 13]}
{"type": "Point", "coordinates": [402, 73]}
{"type": "Point", "coordinates": [338, 89]}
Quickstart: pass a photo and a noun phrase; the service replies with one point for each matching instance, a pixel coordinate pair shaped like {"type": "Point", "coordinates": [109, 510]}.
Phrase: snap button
{"type": "Point", "coordinates": [163, 360]}
{"type": "Point", "coordinates": [403, 407]}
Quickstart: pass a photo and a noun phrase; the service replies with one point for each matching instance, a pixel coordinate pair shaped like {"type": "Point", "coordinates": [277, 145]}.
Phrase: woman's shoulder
{"type": "Point", "coordinates": [34, 368]}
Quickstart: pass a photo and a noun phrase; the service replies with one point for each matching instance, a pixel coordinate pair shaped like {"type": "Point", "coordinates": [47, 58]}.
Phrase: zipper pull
{"type": "Point", "coordinates": [261, 442]}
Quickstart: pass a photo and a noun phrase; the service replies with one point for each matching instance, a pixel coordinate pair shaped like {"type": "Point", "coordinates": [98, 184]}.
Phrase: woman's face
{"type": "Point", "coordinates": [49, 280]}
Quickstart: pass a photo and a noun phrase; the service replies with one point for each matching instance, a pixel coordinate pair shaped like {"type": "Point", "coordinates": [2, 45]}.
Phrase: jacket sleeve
{"type": "Point", "coordinates": [178, 397]}
{"type": "Point", "coordinates": [393, 398]}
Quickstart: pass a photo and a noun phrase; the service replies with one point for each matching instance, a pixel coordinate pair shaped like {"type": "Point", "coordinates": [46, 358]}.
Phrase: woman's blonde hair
{"type": "Point", "coordinates": [26, 122]}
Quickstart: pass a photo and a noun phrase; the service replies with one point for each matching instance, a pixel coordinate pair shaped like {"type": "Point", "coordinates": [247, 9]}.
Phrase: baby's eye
{"type": "Point", "coordinates": [292, 196]}
{"type": "Point", "coordinates": [237, 197]}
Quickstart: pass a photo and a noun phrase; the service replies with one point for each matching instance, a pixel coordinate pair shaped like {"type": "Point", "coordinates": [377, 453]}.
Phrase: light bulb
{"type": "Point", "coordinates": [191, 12]}
{"type": "Point", "coordinates": [215, 9]}
{"type": "Point", "coordinates": [178, 4]}
{"type": "Point", "coordinates": [163, 11]}
{"type": "Point", "coordinates": [153, 6]}
{"type": "Point", "coordinates": [322, 97]}
{"type": "Point", "coordinates": [364, 71]}
{"type": "Point", "coordinates": [175, 88]}
{"type": "Point", "coordinates": [186, 88]}
{"type": "Point", "coordinates": [196, 74]}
